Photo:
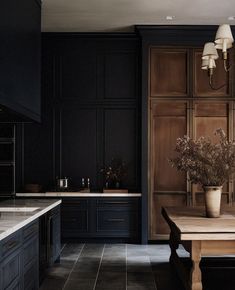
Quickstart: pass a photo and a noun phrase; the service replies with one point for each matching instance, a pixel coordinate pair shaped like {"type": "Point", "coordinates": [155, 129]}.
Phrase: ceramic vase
{"type": "Point", "coordinates": [212, 200]}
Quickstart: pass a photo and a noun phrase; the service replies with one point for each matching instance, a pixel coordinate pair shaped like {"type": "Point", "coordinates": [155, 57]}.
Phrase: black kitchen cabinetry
{"type": "Point", "coordinates": [90, 95]}
{"type": "Point", "coordinates": [100, 218]}
{"type": "Point", "coordinates": [7, 160]}
{"type": "Point", "coordinates": [19, 259]}
{"type": "Point", "coordinates": [20, 83]}
{"type": "Point", "coordinates": [49, 240]}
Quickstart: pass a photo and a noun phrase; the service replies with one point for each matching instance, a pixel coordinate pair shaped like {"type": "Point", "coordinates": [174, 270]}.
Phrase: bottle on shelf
{"type": "Point", "coordinates": [83, 182]}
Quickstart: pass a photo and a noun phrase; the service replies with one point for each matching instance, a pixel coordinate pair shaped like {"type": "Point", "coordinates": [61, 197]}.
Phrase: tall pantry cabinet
{"type": "Point", "coordinates": [179, 101]}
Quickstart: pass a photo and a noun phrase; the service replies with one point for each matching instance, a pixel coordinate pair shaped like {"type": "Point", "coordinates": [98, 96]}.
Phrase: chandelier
{"type": "Point", "coordinates": [223, 41]}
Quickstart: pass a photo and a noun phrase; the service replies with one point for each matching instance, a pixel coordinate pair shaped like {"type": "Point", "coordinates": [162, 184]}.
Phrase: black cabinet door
{"type": "Point", "coordinates": [11, 271]}
{"type": "Point", "coordinates": [20, 34]}
{"type": "Point", "coordinates": [75, 218]}
{"type": "Point", "coordinates": [55, 235]}
{"type": "Point", "coordinates": [49, 240]}
{"type": "Point", "coordinates": [117, 217]}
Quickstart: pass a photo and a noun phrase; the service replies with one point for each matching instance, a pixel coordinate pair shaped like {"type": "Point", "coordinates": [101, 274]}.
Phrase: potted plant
{"type": "Point", "coordinates": [114, 173]}
{"type": "Point", "coordinates": [207, 163]}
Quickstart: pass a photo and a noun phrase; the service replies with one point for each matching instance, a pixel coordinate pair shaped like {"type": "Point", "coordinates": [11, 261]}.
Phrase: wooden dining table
{"type": "Point", "coordinates": [200, 236]}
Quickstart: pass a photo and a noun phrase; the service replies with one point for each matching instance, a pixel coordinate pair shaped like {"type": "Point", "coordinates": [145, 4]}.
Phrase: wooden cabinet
{"type": "Point", "coordinates": [181, 102]}
{"type": "Point", "coordinates": [94, 218]}
{"type": "Point", "coordinates": [168, 72]}
{"type": "Point", "coordinates": [169, 120]}
{"type": "Point", "coordinates": [207, 117]}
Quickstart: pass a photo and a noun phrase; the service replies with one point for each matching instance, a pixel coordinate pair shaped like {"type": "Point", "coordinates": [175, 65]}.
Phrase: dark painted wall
{"type": "Point", "coordinates": [90, 111]}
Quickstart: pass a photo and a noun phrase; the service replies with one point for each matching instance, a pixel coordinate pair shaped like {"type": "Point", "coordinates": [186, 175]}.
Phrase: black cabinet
{"type": "Point", "coordinates": [74, 217]}
{"type": "Point", "coordinates": [90, 91]}
{"type": "Point", "coordinates": [30, 256]}
{"type": "Point", "coordinates": [19, 259]}
{"type": "Point", "coordinates": [20, 34]}
{"type": "Point", "coordinates": [100, 218]}
{"type": "Point", "coordinates": [54, 235]}
{"type": "Point", "coordinates": [49, 240]}
{"type": "Point", "coordinates": [7, 159]}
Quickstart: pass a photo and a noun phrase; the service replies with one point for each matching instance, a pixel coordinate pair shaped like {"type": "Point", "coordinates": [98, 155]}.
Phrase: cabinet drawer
{"type": "Point", "coordinates": [75, 220]}
{"type": "Point", "coordinates": [117, 202]}
{"type": "Point", "coordinates": [10, 244]}
{"type": "Point", "coordinates": [30, 231]}
{"type": "Point", "coordinates": [116, 221]}
{"type": "Point", "coordinates": [11, 270]}
{"type": "Point", "coordinates": [68, 204]}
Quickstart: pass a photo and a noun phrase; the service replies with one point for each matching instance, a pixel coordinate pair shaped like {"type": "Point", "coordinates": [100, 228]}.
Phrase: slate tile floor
{"type": "Point", "coordinates": [122, 267]}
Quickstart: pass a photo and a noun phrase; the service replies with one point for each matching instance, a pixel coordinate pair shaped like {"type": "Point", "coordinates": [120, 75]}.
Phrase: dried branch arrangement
{"type": "Point", "coordinates": [206, 163]}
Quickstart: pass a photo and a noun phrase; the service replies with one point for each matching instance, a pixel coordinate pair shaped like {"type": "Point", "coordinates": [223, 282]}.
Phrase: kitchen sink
{"type": "Point", "coordinates": [18, 209]}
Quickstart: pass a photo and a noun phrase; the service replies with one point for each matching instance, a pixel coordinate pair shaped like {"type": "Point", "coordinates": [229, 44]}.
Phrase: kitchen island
{"type": "Point", "coordinates": [23, 246]}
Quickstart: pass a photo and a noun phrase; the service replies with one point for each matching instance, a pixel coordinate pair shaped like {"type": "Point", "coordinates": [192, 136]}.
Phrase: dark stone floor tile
{"type": "Point", "coordinates": [143, 287]}
{"type": "Point", "coordinates": [138, 269]}
{"type": "Point", "coordinates": [115, 250]}
{"type": "Point", "coordinates": [60, 272]}
{"type": "Point", "coordinates": [137, 250]}
{"type": "Point", "coordinates": [71, 252]}
{"type": "Point", "coordinates": [86, 265]}
{"type": "Point", "coordinates": [92, 251]}
{"type": "Point", "coordinates": [83, 275]}
{"type": "Point", "coordinates": [111, 283]}
{"type": "Point", "coordinates": [79, 284]}
{"type": "Point", "coordinates": [53, 283]}
{"type": "Point", "coordinates": [113, 267]}
{"type": "Point", "coordinates": [145, 277]}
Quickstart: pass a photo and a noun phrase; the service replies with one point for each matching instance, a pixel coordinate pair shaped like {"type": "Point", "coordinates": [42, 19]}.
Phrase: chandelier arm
{"type": "Point", "coordinates": [211, 84]}
{"type": "Point", "coordinates": [226, 67]}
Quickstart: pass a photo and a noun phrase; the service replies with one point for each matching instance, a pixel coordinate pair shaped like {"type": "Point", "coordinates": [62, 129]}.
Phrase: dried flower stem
{"type": "Point", "coordinates": [205, 162]}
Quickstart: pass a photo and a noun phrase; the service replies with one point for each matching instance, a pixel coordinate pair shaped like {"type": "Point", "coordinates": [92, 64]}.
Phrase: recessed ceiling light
{"type": "Point", "coordinates": [231, 18]}
{"type": "Point", "coordinates": [170, 17]}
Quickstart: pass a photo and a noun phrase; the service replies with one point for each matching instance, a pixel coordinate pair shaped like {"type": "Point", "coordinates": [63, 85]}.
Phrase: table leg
{"type": "Point", "coordinates": [195, 274]}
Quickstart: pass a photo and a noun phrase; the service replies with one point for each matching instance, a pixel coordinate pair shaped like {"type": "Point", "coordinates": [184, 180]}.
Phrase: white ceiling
{"type": "Point", "coordinates": [122, 15]}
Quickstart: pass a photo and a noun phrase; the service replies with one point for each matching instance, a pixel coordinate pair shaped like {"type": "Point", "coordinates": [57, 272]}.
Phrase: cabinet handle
{"type": "Point", "coordinates": [12, 245]}
{"type": "Point", "coordinates": [116, 202]}
{"type": "Point", "coordinates": [115, 220]}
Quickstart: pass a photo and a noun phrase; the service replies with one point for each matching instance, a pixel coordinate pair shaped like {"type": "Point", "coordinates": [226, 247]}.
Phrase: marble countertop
{"type": "Point", "coordinates": [77, 194]}
{"type": "Point", "coordinates": [11, 222]}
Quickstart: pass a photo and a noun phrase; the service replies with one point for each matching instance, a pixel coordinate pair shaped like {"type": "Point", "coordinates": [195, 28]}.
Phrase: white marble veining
{"type": "Point", "coordinates": [17, 209]}
{"type": "Point", "coordinates": [77, 194]}
{"type": "Point", "coordinates": [12, 221]}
